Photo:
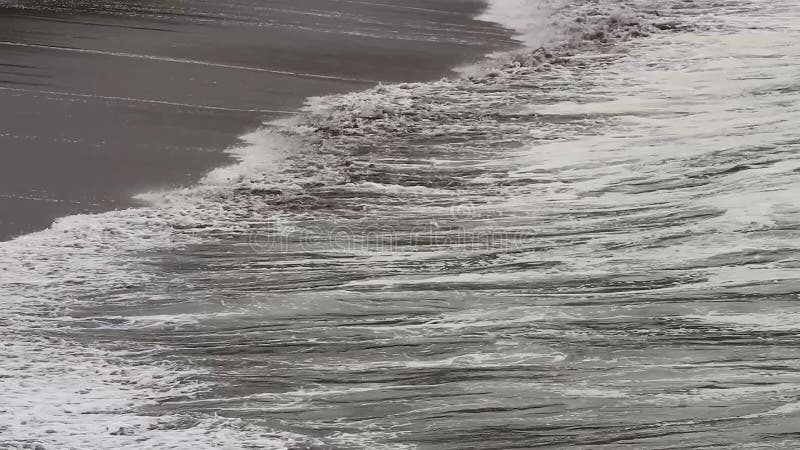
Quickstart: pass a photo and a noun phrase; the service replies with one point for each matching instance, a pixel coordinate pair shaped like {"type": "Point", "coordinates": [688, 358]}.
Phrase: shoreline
{"type": "Point", "coordinates": [593, 245]}
{"type": "Point", "coordinates": [105, 106]}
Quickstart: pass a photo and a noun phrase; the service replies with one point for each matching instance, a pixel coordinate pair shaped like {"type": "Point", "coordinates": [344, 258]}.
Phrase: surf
{"type": "Point", "coordinates": [614, 202]}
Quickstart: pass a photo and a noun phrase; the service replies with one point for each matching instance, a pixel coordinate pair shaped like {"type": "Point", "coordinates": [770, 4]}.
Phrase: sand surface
{"type": "Point", "coordinates": [104, 101]}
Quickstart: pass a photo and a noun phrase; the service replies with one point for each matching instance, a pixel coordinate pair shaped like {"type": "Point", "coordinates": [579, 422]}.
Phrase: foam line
{"type": "Point", "coordinates": [40, 199]}
{"type": "Point", "coordinates": [186, 61]}
{"type": "Point", "coordinates": [144, 100]}
{"type": "Point", "coordinates": [386, 5]}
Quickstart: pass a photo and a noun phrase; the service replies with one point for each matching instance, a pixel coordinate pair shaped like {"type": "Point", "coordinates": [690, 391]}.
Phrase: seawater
{"type": "Point", "coordinates": [590, 242]}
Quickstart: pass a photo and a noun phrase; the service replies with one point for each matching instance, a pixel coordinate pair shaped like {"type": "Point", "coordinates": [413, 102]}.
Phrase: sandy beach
{"type": "Point", "coordinates": [102, 102]}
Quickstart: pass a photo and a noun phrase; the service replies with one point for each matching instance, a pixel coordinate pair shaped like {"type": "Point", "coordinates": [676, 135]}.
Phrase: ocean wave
{"type": "Point", "coordinates": [608, 202]}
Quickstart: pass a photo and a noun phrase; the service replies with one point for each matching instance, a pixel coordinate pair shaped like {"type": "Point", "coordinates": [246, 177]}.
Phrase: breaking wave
{"type": "Point", "coordinates": [481, 262]}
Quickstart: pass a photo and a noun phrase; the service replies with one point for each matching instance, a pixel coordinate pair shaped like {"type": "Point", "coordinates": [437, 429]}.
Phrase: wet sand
{"type": "Point", "coordinates": [101, 102]}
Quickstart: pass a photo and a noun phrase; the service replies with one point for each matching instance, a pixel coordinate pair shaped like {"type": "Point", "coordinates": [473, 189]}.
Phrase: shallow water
{"type": "Point", "coordinates": [594, 248]}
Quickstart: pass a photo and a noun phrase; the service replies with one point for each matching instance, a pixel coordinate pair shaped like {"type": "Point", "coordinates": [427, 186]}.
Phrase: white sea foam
{"type": "Point", "coordinates": [531, 19]}
{"type": "Point", "coordinates": [779, 321]}
{"type": "Point", "coordinates": [57, 392]}
{"type": "Point", "coordinates": [623, 138]}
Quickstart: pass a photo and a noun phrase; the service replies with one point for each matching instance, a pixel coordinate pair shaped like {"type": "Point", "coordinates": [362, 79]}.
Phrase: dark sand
{"type": "Point", "coordinates": [99, 102]}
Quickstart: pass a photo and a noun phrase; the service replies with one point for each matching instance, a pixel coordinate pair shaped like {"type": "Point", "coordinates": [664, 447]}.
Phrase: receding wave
{"type": "Point", "coordinates": [591, 242]}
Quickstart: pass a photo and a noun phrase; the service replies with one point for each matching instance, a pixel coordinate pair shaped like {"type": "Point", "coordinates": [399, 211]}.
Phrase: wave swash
{"type": "Point", "coordinates": [590, 242]}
